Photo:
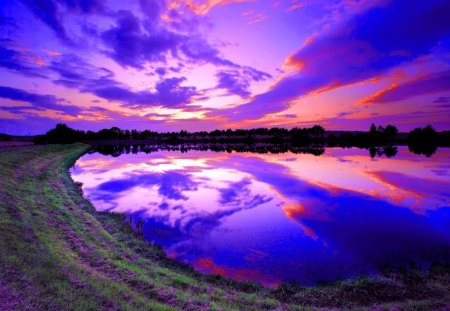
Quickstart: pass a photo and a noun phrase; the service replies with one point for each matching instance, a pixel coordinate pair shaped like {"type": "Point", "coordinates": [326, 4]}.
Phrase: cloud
{"type": "Point", "coordinates": [200, 51]}
{"type": "Point", "coordinates": [73, 72]}
{"type": "Point", "coordinates": [151, 8]}
{"type": "Point", "coordinates": [432, 83]}
{"type": "Point", "coordinates": [14, 60]}
{"type": "Point", "coordinates": [290, 115]}
{"type": "Point", "coordinates": [130, 46]}
{"type": "Point", "coordinates": [85, 6]}
{"type": "Point", "coordinates": [234, 83]}
{"type": "Point", "coordinates": [7, 22]}
{"type": "Point", "coordinates": [202, 7]}
{"type": "Point", "coordinates": [254, 17]}
{"type": "Point", "coordinates": [404, 121]}
{"type": "Point", "coordinates": [238, 81]}
{"type": "Point", "coordinates": [132, 42]}
{"type": "Point", "coordinates": [295, 6]}
{"type": "Point", "coordinates": [360, 47]}
{"type": "Point", "coordinates": [171, 93]}
{"type": "Point", "coordinates": [168, 93]}
{"type": "Point", "coordinates": [37, 101]}
{"type": "Point", "coordinates": [442, 100]}
{"type": "Point", "coordinates": [47, 11]}
{"type": "Point", "coordinates": [161, 71]}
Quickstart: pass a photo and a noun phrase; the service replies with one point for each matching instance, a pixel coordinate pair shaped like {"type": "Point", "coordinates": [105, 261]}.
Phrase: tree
{"type": "Point", "coordinates": [390, 131]}
{"type": "Point", "coordinates": [62, 134]}
{"type": "Point", "coordinates": [373, 129]}
{"type": "Point", "coordinates": [317, 130]}
{"type": "Point", "coordinates": [423, 140]}
{"type": "Point", "coordinates": [134, 134]}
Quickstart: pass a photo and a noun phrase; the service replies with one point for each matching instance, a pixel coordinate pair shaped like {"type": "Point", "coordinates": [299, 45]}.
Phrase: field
{"type": "Point", "coordinates": [58, 253]}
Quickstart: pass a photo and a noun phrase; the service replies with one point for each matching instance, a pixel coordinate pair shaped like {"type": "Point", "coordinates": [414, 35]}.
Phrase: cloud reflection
{"type": "Point", "coordinates": [289, 216]}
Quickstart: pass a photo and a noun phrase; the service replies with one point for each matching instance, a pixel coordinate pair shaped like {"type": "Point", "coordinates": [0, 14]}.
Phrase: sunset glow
{"type": "Point", "coordinates": [169, 65]}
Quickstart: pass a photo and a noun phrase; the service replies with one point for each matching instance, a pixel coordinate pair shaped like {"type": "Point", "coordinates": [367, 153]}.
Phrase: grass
{"type": "Point", "coordinates": [58, 253]}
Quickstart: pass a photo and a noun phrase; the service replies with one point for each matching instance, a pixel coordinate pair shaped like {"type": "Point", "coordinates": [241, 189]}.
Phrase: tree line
{"type": "Point", "coordinates": [420, 140]}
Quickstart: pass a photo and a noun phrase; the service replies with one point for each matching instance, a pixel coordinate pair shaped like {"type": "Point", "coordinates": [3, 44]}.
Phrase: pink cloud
{"type": "Point", "coordinates": [202, 7]}
{"type": "Point", "coordinates": [357, 49]}
{"type": "Point", "coordinates": [428, 84]}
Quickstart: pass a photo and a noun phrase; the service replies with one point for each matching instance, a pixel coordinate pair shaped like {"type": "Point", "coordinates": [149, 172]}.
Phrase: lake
{"type": "Point", "coordinates": [277, 217]}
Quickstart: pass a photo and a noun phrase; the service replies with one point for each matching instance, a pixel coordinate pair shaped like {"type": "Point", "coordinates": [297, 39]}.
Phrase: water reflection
{"type": "Point", "coordinates": [274, 217]}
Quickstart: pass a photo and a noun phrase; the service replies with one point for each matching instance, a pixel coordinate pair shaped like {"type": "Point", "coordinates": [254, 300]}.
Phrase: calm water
{"type": "Point", "coordinates": [281, 217]}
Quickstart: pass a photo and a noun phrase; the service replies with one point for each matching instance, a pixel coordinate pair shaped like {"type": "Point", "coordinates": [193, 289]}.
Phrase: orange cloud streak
{"type": "Point", "coordinates": [202, 8]}
{"type": "Point", "coordinates": [53, 53]}
{"type": "Point", "coordinates": [292, 63]}
{"type": "Point", "coordinates": [374, 98]}
{"type": "Point", "coordinates": [295, 6]}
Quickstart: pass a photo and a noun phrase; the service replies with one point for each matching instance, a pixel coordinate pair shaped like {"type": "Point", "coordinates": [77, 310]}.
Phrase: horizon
{"type": "Point", "coordinates": [172, 65]}
{"type": "Point", "coordinates": [225, 129]}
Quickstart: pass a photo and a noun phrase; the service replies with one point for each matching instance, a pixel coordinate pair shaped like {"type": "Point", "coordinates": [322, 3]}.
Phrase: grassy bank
{"type": "Point", "coordinates": [57, 253]}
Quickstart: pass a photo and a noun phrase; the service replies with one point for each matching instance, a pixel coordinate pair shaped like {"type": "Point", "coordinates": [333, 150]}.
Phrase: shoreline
{"type": "Point", "coordinates": [100, 263]}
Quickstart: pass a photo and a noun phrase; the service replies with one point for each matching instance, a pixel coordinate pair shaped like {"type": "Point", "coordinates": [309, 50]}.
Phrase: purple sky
{"type": "Point", "coordinates": [167, 65]}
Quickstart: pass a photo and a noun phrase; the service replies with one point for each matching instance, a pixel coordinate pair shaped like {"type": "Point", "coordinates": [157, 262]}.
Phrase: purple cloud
{"type": "Point", "coordinates": [433, 83]}
{"type": "Point", "coordinates": [237, 82]}
{"type": "Point", "coordinates": [151, 8]}
{"type": "Point", "coordinates": [48, 12]}
{"type": "Point", "coordinates": [37, 101]}
{"type": "Point", "coordinates": [361, 47]}
{"type": "Point", "coordinates": [161, 71]}
{"type": "Point", "coordinates": [168, 93]}
{"type": "Point", "coordinates": [442, 102]}
{"type": "Point", "coordinates": [234, 83]}
{"type": "Point", "coordinates": [13, 60]}
{"type": "Point", "coordinates": [130, 46]}
{"type": "Point", "coordinates": [171, 93]}
{"type": "Point", "coordinates": [132, 43]}
{"type": "Point", "coordinates": [85, 6]}
{"type": "Point", "coordinates": [75, 73]}
{"type": "Point", "coordinates": [200, 51]}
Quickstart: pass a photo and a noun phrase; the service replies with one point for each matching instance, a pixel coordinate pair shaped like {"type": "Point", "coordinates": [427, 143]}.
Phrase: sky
{"type": "Point", "coordinates": [169, 65]}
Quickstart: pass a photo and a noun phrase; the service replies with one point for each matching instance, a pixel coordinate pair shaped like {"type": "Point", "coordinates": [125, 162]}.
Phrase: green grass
{"type": "Point", "coordinates": [58, 253]}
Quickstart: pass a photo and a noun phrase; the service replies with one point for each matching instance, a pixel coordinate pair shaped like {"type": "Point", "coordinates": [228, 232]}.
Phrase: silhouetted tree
{"type": "Point", "coordinates": [5, 137]}
{"type": "Point", "coordinates": [61, 134]}
{"type": "Point", "coordinates": [378, 140]}
{"type": "Point", "coordinates": [390, 131]}
{"type": "Point", "coordinates": [423, 140]}
{"type": "Point", "coordinates": [332, 140]}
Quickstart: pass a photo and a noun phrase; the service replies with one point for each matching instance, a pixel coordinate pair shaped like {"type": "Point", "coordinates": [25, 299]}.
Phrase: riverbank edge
{"type": "Point", "coordinates": [136, 275]}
